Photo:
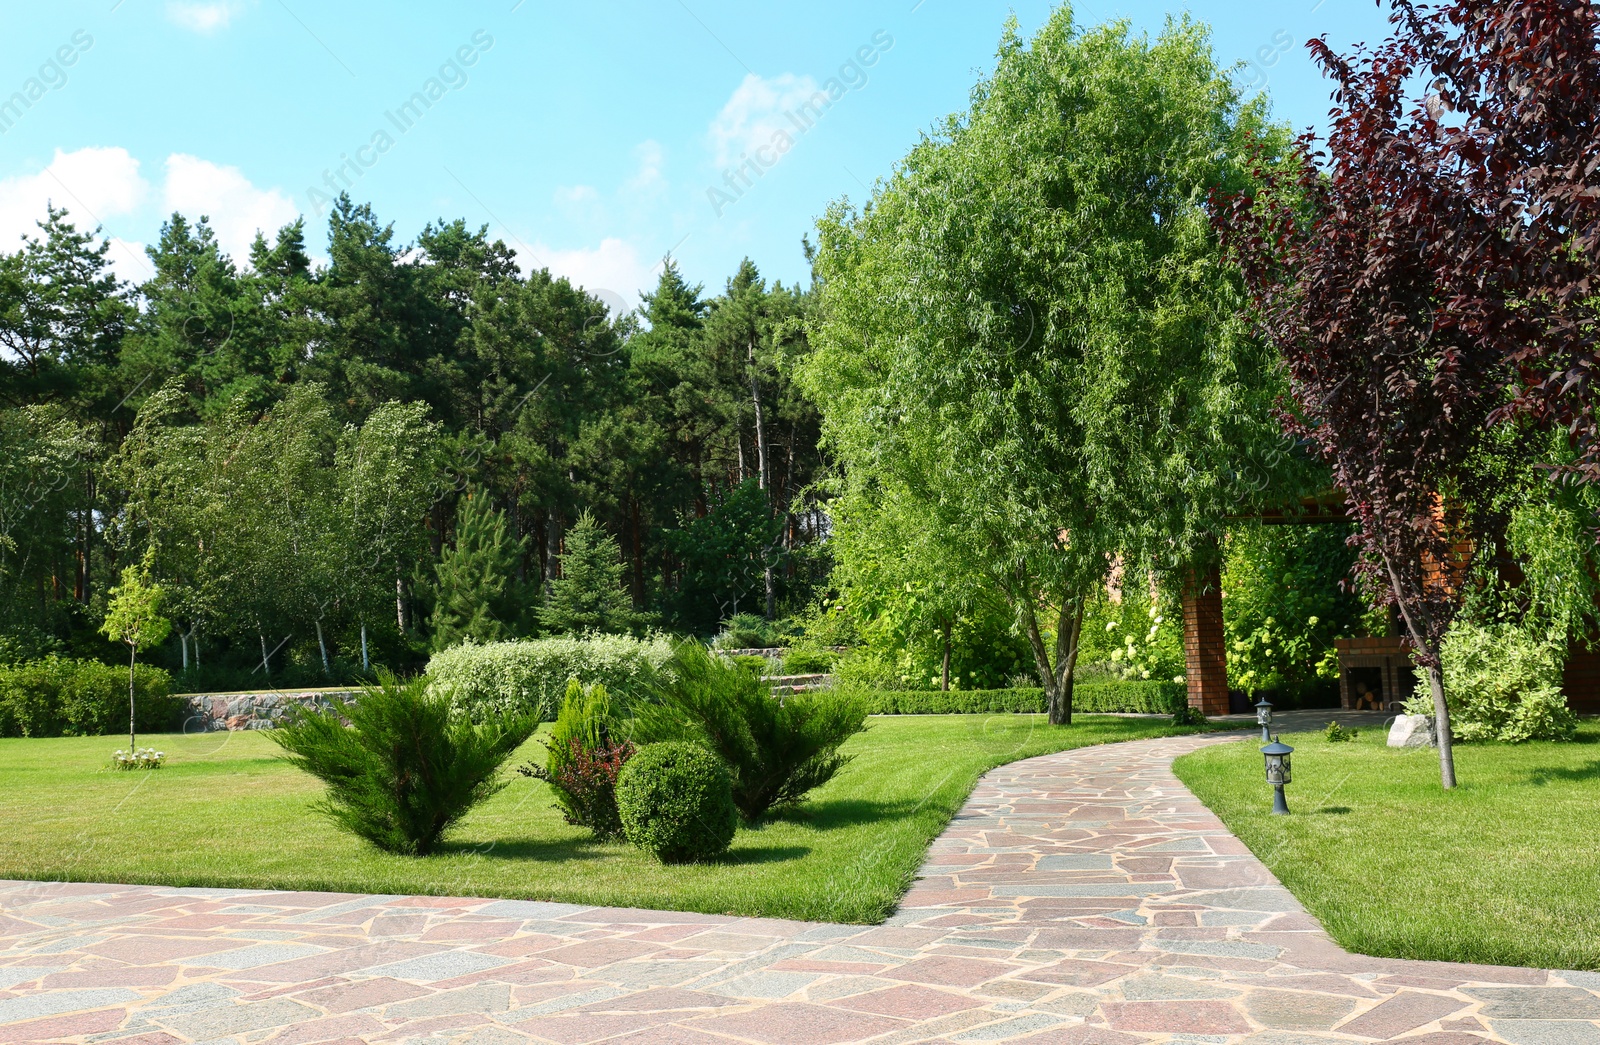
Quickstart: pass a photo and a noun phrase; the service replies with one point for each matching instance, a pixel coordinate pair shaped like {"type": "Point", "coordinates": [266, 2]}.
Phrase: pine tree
{"type": "Point", "coordinates": [588, 596]}
{"type": "Point", "coordinates": [474, 575]}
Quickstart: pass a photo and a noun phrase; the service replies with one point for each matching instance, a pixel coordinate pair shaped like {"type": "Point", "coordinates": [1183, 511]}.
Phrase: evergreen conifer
{"type": "Point", "coordinates": [474, 575]}
{"type": "Point", "coordinates": [588, 596]}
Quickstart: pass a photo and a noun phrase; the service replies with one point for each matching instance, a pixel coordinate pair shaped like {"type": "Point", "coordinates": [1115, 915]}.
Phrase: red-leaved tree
{"type": "Point", "coordinates": [1425, 273]}
{"type": "Point", "coordinates": [1515, 115]}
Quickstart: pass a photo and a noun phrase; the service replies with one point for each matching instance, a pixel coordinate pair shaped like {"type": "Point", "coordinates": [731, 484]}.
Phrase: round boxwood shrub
{"type": "Point", "coordinates": [676, 801]}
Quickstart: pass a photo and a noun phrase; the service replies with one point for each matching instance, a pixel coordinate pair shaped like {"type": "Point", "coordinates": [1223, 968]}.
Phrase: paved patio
{"type": "Point", "coordinates": [1083, 898]}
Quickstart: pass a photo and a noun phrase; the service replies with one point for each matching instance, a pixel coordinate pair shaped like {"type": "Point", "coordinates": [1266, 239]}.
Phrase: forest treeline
{"type": "Point", "coordinates": [289, 446]}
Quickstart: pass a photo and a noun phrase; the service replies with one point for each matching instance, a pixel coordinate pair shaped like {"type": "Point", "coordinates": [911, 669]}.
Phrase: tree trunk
{"type": "Point", "coordinates": [638, 557]}
{"type": "Point", "coordinates": [514, 524]}
{"type": "Point", "coordinates": [1441, 719]}
{"type": "Point", "coordinates": [1057, 677]}
{"type": "Point", "coordinates": [945, 681]}
{"type": "Point", "coordinates": [552, 546]}
{"type": "Point", "coordinates": [183, 644]}
{"type": "Point", "coordinates": [1041, 662]}
{"type": "Point", "coordinates": [540, 527]}
{"type": "Point", "coordinates": [1441, 709]}
{"type": "Point", "coordinates": [761, 433]}
{"type": "Point", "coordinates": [762, 480]}
{"type": "Point", "coordinates": [436, 529]}
{"type": "Point", "coordinates": [266, 670]}
{"type": "Point", "coordinates": [399, 602]}
{"type": "Point", "coordinates": [88, 538]}
{"type": "Point", "coordinates": [323, 646]}
{"type": "Point", "coordinates": [1070, 656]}
{"type": "Point", "coordinates": [786, 492]}
{"type": "Point", "coordinates": [366, 664]}
{"type": "Point", "coordinates": [133, 657]}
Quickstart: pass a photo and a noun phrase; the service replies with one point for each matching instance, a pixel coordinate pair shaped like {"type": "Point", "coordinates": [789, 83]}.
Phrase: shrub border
{"type": "Point", "coordinates": [1098, 697]}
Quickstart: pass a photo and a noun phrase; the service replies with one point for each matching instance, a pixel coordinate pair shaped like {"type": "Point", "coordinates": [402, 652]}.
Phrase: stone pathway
{"type": "Point", "coordinates": [1084, 898]}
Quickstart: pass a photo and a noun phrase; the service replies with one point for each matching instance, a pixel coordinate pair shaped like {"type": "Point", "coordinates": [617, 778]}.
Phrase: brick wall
{"type": "Point", "coordinates": [1205, 650]}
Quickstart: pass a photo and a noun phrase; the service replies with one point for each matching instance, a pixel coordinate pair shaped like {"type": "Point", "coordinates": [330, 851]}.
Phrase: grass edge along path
{"type": "Point", "coordinates": [1501, 871]}
{"type": "Point", "coordinates": [228, 812]}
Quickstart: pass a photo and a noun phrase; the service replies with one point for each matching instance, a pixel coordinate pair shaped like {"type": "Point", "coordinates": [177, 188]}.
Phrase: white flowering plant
{"type": "Point", "coordinates": [138, 758]}
{"type": "Point", "coordinates": [1137, 637]}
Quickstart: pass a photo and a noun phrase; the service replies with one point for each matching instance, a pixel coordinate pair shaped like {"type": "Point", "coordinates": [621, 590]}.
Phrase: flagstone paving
{"type": "Point", "coordinates": [1084, 898]}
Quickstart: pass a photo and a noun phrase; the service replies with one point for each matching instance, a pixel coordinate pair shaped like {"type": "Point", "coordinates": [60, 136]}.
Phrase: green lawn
{"type": "Point", "coordinates": [225, 811]}
{"type": "Point", "coordinates": [1503, 870]}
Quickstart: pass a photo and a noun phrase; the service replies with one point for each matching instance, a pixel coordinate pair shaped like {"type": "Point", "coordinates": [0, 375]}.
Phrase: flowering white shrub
{"type": "Point", "coordinates": [531, 676]}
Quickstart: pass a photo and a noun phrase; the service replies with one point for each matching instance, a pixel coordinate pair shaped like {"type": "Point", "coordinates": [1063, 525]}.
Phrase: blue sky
{"type": "Point", "coordinates": [588, 136]}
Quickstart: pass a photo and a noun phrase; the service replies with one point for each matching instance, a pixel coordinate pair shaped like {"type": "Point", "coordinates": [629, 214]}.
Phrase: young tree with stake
{"type": "Point", "coordinates": [134, 618]}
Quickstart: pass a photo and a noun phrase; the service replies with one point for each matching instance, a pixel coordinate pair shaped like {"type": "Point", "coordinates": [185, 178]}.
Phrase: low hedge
{"type": "Point", "coordinates": [1098, 697]}
{"type": "Point", "coordinates": [62, 697]}
{"type": "Point", "coordinates": [530, 676]}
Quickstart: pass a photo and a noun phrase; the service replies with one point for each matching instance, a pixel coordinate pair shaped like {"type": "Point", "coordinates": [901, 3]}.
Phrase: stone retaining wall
{"type": "Point", "coordinates": [262, 710]}
{"type": "Point", "coordinates": [782, 684]}
{"type": "Point", "coordinates": [210, 712]}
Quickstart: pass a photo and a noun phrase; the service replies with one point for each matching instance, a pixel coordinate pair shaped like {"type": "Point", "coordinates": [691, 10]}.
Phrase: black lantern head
{"type": "Point", "coordinates": [1277, 755]}
{"type": "Point", "coordinates": [1264, 718]}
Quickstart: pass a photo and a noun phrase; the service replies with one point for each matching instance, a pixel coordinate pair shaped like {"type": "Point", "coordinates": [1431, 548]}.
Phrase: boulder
{"type": "Point", "coordinates": [1412, 731]}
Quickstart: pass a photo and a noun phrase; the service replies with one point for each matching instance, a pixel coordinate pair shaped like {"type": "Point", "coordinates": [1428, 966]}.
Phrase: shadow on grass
{"type": "Point", "coordinates": [1588, 771]}
{"type": "Point", "coordinates": [581, 849]}
{"type": "Point", "coordinates": [1334, 810]}
{"type": "Point", "coordinates": [546, 850]}
{"type": "Point", "coordinates": [837, 813]}
{"type": "Point", "coordinates": [769, 854]}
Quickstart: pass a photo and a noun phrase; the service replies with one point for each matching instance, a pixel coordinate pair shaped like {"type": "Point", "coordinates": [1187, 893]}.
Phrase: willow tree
{"type": "Point", "coordinates": [1028, 331]}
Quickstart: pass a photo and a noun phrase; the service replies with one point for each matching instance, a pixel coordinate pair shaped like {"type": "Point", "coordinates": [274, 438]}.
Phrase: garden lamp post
{"type": "Point", "coordinates": [1277, 755]}
{"type": "Point", "coordinates": [1264, 719]}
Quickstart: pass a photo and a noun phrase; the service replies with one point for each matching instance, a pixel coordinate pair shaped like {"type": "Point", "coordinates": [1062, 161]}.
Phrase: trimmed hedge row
{"type": "Point", "coordinates": [61, 697]}
{"type": "Point", "coordinates": [1102, 697]}
{"type": "Point", "coordinates": [1128, 696]}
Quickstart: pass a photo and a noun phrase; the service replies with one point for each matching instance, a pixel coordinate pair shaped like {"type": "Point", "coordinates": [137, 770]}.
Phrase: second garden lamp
{"type": "Point", "coordinates": [1264, 719]}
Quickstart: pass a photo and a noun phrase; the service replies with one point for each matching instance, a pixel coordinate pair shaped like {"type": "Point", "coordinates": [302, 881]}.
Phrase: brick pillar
{"type": "Point", "coordinates": [1204, 647]}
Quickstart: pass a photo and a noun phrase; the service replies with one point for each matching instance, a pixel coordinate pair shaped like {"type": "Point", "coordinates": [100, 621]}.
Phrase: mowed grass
{"type": "Point", "coordinates": [227, 811]}
{"type": "Point", "coordinates": [1503, 870]}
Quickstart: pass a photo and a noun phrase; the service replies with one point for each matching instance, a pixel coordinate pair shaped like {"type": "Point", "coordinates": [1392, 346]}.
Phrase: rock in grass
{"type": "Point", "coordinates": [1412, 731]}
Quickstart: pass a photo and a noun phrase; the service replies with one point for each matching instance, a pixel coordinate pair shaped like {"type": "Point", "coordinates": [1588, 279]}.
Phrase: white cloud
{"type": "Point", "coordinates": [757, 115]}
{"type": "Point", "coordinates": [102, 185]}
{"type": "Point", "coordinates": [128, 260]}
{"type": "Point", "coordinates": [94, 185]}
{"type": "Point", "coordinates": [576, 194]}
{"type": "Point", "coordinates": [235, 207]}
{"type": "Point", "coordinates": [648, 179]}
{"type": "Point", "coordinates": [612, 272]}
{"type": "Point", "coordinates": [205, 18]}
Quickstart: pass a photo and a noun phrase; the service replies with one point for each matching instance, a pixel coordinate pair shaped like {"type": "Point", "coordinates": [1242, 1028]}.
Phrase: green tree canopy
{"type": "Point", "coordinates": [1027, 331]}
